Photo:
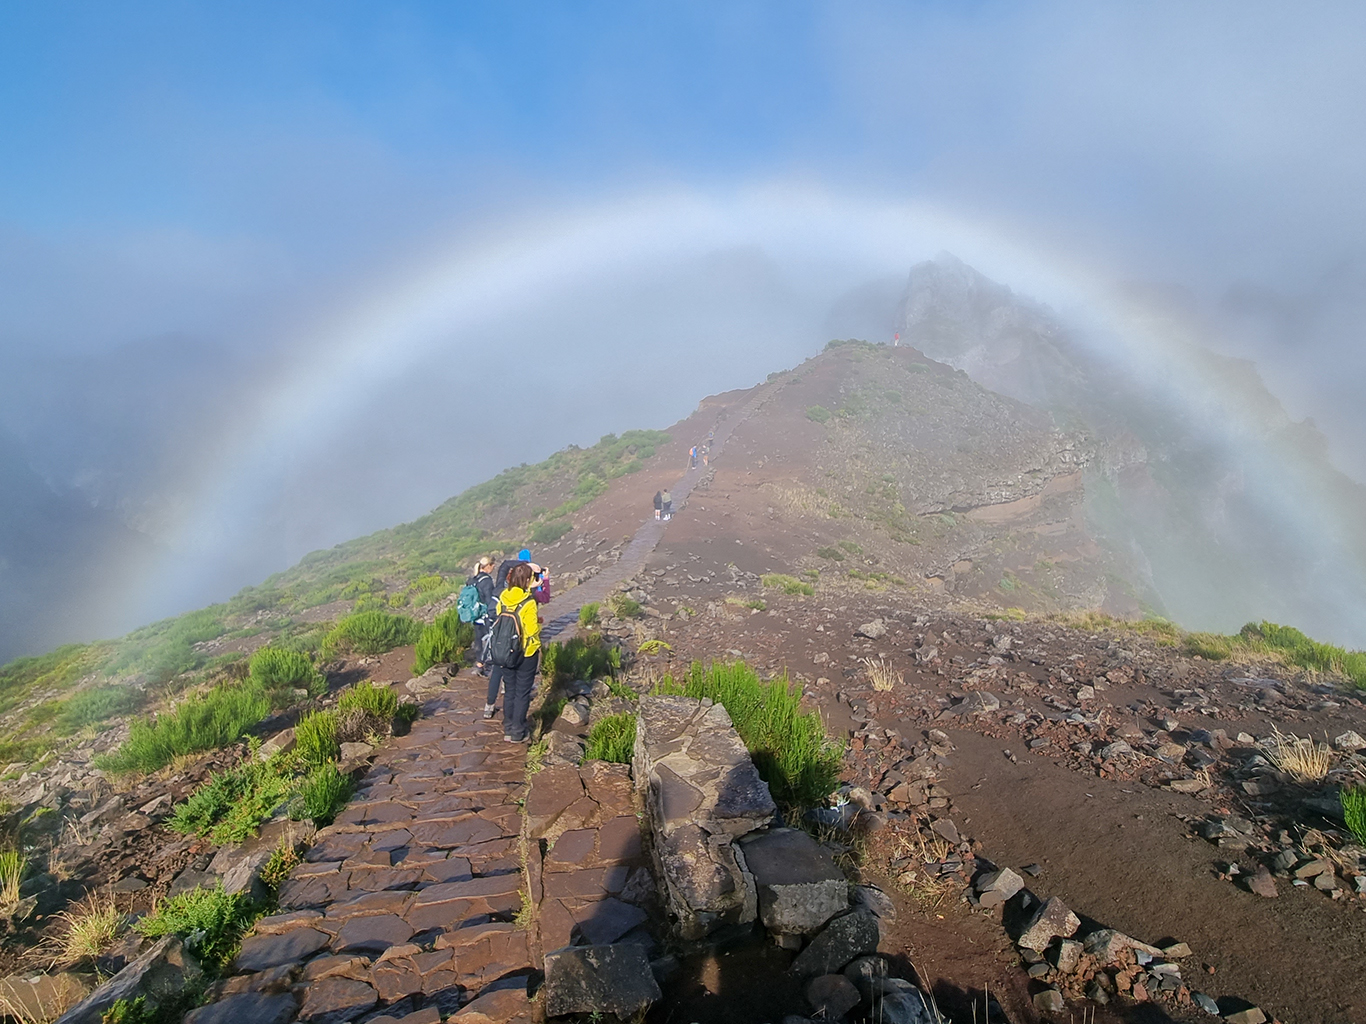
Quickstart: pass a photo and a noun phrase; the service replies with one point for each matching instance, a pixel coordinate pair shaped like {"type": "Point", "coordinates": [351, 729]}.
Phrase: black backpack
{"type": "Point", "coordinates": [507, 646]}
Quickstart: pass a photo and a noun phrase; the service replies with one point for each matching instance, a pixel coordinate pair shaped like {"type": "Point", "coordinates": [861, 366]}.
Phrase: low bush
{"type": "Point", "coordinates": [851, 547]}
{"type": "Point", "coordinates": [315, 738]}
{"type": "Point", "coordinates": [1354, 811]}
{"type": "Point", "coordinates": [624, 607]}
{"type": "Point", "coordinates": [818, 413]}
{"type": "Point", "coordinates": [589, 614]}
{"type": "Point", "coordinates": [1210, 646]}
{"type": "Point", "coordinates": [372, 632]}
{"type": "Point", "coordinates": [323, 794]}
{"type": "Point", "coordinates": [834, 554]}
{"type": "Point", "coordinates": [207, 722]}
{"type": "Point", "coordinates": [612, 738]}
{"type": "Point", "coordinates": [434, 647]}
{"type": "Point", "coordinates": [790, 748]}
{"type": "Point", "coordinates": [96, 705]}
{"type": "Point", "coordinates": [283, 859]}
{"type": "Point", "coordinates": [409, 711]}
{"type": "Point", "coordinates": [278, 671]}
{"type": "Point", "coordinates": [380, 701]}
{"type": "Point", "coordinates": [210, 921]}
{"type": "Point", "coordinates": [232, 805]}
{"type": "Point", "coordinates": [787, 584]}
{"type": "Point", "coordinates": [549, 533]}
{"type": "Point", "coordinates": [580, 658]}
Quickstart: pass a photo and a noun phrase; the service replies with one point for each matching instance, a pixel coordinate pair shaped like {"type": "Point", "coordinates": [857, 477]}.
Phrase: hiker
{"type": "Point", "coordinates": [706, 453]}
{"type": "Point", "coordinates": [666, 505]}
{"type": "Point", "coordinates": [481, 613]}
{"type": "Point", "coordinates": [659, 503]}
{"type": "Point", "coordinates": [542, 577]}
{"type": "Point", "coordinates": [519, 621]}
{"type": "Point", "coordinates": [540, 580]}
{"type": "Point", "coordinates": [692, 457]}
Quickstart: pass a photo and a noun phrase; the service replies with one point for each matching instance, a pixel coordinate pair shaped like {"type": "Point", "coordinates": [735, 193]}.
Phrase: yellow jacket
{"type": "Point", "coordinates": [531, 622]}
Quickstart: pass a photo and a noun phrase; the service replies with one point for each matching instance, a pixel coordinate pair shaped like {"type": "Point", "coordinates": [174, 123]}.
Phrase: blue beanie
{"type": "Point", "coordinates": [524, 554]}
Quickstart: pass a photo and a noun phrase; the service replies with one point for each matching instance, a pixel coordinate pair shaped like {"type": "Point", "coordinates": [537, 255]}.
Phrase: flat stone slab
{"type": "Point", "coordinates": [260, 952]}
{"type": "Point", "coordinates": [842, 940]}
{"type": "Point", "coordinates": [799, 885]}
{"type": "Point", "coordinates": [253, 1007]}
{"type": "Point", "coordinates": [599, 979]}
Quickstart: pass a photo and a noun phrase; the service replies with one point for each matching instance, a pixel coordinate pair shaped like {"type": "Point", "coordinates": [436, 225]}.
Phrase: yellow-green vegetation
{"type": "Point", "coordinates": [589, 614]}
{"type": "Point", "coordinates": [372, 632]}
{"type": "Point", "coordinates": [315, 738]}
{"type": "Point", "coordinates": [442, 642]}
{"type": "Point", "coordinates": [580, 658]}
{"type": "Point", "coordinates": [279, 671]}
{"type": "Point", "coordinates": [757, 604]}
{"type": "Point", "coordinates": [790, 748]}
{"type": "Point", "coordinates": [323, 794]}
{"type": "Point", "coordinates": [200, 722]}
{"type": "Point", "coordinates": [1354, 811]}
{"type": "Point", "coordinates": [233, 804]}
{"type": "Point", "coordinates": [654, 646]}
{"type": "Point", "coordinates": [548, 533]}
{"type": "Point", "coordinates": [1283, 642]}
{"type": "Point", "coordinates": [91, 926]}
{"type": "Point", "coordinates": [380, 701]}
{"type": "Point", "coordinates": [624, 607]}
{"type": "Point", "coordinates": [13, 864]}
{"type": "Point", "coordinates": [787, 584]}
{"type": "Point", "coordinates": [97, 705]}
{"type": "Point", "coordinates": [210, 921]}
{"type": "Point", "coordinates": [283, 859]}
{"type": "Point", "coordinates": [833, 554]}
{"type": "Point", "coordinates": [612, 738]}
{"type": "Point", "coordinates": [818, 413]}
{"type": "Point", "coordinates": [1163, 631]}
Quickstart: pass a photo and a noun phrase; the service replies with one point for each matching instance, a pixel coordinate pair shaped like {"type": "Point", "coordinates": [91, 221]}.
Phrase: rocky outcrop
{"type": "Point", "coordinates": [163, 972]}
{"type": "Point", "coordinates": [701, 792]}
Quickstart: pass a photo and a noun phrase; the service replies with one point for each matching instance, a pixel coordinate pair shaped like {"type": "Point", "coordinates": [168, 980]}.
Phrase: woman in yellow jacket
{"type": "Point", "coordinates": [518, 682]}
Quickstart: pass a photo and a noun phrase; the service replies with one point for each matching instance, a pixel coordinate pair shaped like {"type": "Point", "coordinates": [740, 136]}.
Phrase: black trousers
{"type": "Point", "coordinates": [518, 684]}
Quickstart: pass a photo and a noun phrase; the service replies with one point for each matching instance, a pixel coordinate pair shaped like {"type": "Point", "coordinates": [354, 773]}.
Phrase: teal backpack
{"type": "Point", "coordinates": [468, 606]}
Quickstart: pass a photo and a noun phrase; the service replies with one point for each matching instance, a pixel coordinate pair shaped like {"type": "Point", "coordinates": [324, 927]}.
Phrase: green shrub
{"type": "Point", "coordinates": [219, 717]}
{"type": "Point", "coordinates": [818, 413]}
{"type": "Point", "coordinates": [278, 671]}
{"type": "Point", "coordinates": [1210, 646]}
{"type": "Point", "coordinates": [851, 547]}
{"type": "Point", "coordinates": [589, 614]}
{"type": "Point", "coordinates": [1354, 811]}
{"type": "Point", "coordinates": [787, 584]}
{"type": "Point", "coordinates": [624, 607]}
{"type": "Point", "coordinates": [380, 701]}
{"type": "Point", "coordinates": [409, 711]}
{"type": "Point", "coordinates": [580, 658]}
{"type": "Point", "coordinates": [210, 921]}
{"type": "Point", "coordinates": [612, 738]}
{"type": "Point", "coordinates": [232, 805]}
{"type": "Point", "coordinates": [324, 794]}
{"type": "Point", "coordinates": [434, 647]}
{"type": "Point", "coordinates": [834, 554]}
{"type": "Point", "coordinates": [90, 707]}
{"type": "Point", "coordinates": [790, 748]}
{"type": "Point", "coordinates": [315, 738]}
{"type": "Point", "coordinates": [549, 533]}
{"type": "Point", "coordinates": [372, 632]}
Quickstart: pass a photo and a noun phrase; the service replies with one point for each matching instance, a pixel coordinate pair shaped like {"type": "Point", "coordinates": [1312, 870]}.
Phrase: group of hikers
{"type": "Point", "coordinates": [664, 501]}
{"type": "Point", "coordinates": [502, 606]}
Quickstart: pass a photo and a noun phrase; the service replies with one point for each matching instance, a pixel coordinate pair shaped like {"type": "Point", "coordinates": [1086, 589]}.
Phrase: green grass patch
{"type": "Point", "coordinates": [443, 641]}
{"type": "Point", "coordinates": [790, 748]}
{"type": "Point", "coordinates": [818, 414]}
{"type": "Point", "coordinates": [97, 705]}
{"type": "Point", "coordinates": [315, 738]}
{"type": "Point", "coordinates": [1210, 646]}
{"type": "Point", "coordinates": [199, 723]}
{"type": "Point", "coordinates": [550, 532]}
{"type": "Point", "coordinates": [1354, 811]}
{"type": "Point", "coordinates": [210, 921]}
{"type": "Point", "coordinates": [1300, 650]}
{"type": "Point", "coordinates": [372, 632]}
{"type": "Point", "coordinates": [580, 658]}
{"type": "Point", "coordinates": [612, 738]}
{"type": "Point", "coordinates": [381, 701]}
{"type": "Point", "coordinates": [232, 805]}
{"type": "Point", "coordinates": [278, 671]}
{"type": "Point", "coordinates": [624, 607]}
{"type": "Point", "coordinates": [323, 795]}
{"type": "Point", "coordinates": [589, 614]}
{"type": "Point", "coordinates": [851, 547]}
{"type": "Point", "coordinates": [787, 584]}
{"type": "Point", "coordinates": [834, 554]}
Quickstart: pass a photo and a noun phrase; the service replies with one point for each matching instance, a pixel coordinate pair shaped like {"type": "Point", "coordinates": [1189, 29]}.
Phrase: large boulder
{"type": "Point", "coordinates": [599, 979]}
{"type": "Point", "coordinates": [799, 886]}
{"type": "Point", "coordinates": [846, 937]}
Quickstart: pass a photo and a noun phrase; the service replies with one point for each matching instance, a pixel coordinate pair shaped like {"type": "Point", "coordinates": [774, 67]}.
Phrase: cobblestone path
{"type": "Point", "coordinates": [406, 906]}
{"type": "Point", "coordinates": [651, 531]}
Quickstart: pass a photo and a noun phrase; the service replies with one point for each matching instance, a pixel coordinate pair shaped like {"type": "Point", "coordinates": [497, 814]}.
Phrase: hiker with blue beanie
{"type": "Point", "coordinates": [540, 578]}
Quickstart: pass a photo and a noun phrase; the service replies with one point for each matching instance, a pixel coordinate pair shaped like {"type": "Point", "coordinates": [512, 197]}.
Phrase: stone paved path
{"type": "Point", "coordinates": [408, 902]}
{"type": "Point", "coordinates": [651, 531]}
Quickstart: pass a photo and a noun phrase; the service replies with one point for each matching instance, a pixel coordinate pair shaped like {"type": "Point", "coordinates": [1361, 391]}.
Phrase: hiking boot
{"type": "Point", "coordinates": [490, 710]}
{"type": "Point", "coordinates": [508, 738]}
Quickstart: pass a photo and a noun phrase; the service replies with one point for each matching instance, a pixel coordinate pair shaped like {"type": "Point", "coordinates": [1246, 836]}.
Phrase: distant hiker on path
{"type": "Point", "coordinates": [692, 457]}
{"type": "Point", "coordinates": [659, 503]}
{"type": "Point", "coordinates": [515, 648]}
{"type": "Point", "coordinates": [666, 505]}
{"type": "Point", "coordinates": [706, 452]}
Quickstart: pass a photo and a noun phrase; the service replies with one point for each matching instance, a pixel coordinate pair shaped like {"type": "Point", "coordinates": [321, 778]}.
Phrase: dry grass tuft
{"type": "Point", "coordinates": [1302, 759]}
{"type": "Point", "coordinates": [92, 925]}
{"type": "Point", "coordinates": [882, 675]}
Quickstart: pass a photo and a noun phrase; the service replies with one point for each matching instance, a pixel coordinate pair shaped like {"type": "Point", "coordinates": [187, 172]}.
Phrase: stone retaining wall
{"type": "Point", "coordinates": [701, 792]}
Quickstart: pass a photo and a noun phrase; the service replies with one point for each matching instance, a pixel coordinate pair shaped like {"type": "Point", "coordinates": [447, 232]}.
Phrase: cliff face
{"type": "Point", "coordinates": [1224, 523]}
